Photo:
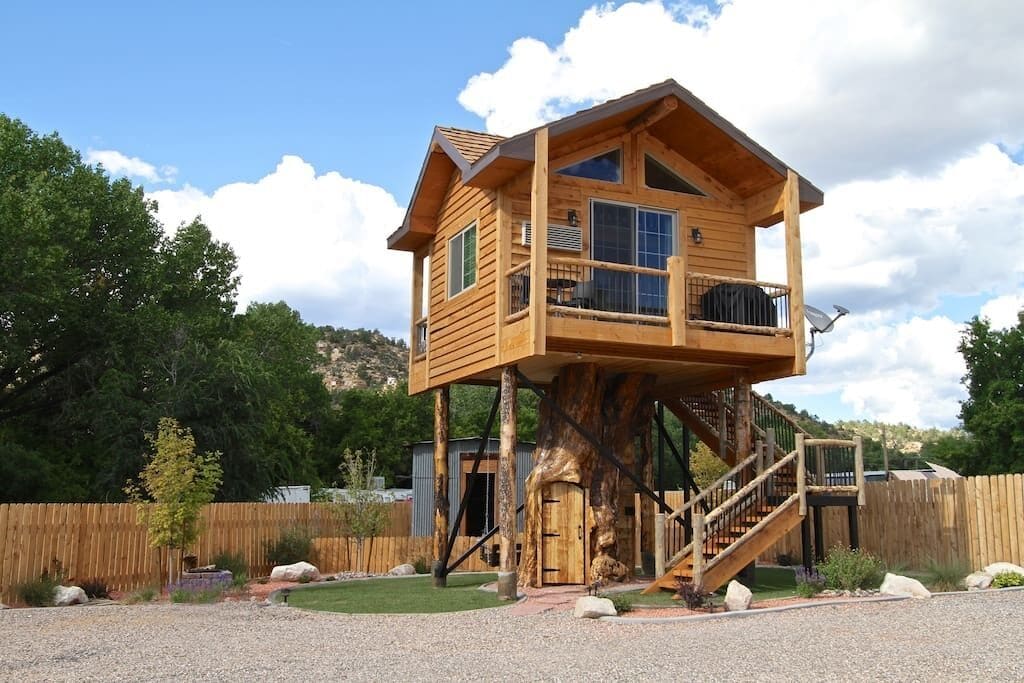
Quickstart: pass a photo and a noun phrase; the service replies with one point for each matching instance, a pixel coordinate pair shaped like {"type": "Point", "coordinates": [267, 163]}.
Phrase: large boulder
{"type": "Point", "coordinates": [977, 581]}
{"type": "Point", "coordinates": [402, 570]}
{"type": "Point", "coordinates": [590, 607]}
{"type": "Point", "coordinates": [737, 597]}
{"type": "Point", "coordinates": [1000, 567]}
{"type": "Point", "coordinates": [69, 595]}
{"type": "Point", "coordinates": [894, 584]}
{"type": "Point", "coordinates": [295, 572]}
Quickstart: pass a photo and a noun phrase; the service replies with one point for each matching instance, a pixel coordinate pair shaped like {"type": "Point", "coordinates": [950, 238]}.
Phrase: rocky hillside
{"type": "Point", "coordinates": [360, 359]}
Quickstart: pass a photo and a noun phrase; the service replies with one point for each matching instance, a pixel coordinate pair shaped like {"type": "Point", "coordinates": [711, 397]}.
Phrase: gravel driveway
{"type": "Point", "coordinates": [972, 637]}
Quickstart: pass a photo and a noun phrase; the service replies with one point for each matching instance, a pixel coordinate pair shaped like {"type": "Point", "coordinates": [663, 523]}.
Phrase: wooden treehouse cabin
{"type": "Point", "coordinates": [607, 261]}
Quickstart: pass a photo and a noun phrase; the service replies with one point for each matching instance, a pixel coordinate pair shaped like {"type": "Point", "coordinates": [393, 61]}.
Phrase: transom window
{"type": "Point", "coordinates": [462, 261]}
{"type": "Point", "coordinates": [606, 166]}
{"type": "Point", "coordinates": [660, 177]}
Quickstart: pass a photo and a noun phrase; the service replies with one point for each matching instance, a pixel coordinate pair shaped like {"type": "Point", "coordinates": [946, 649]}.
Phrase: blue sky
{"type": "Point", "coordinates": [297, 133]}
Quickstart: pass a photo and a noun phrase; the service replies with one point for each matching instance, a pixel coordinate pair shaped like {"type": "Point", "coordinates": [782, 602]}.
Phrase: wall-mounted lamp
{"type": "Point", "coordinates": [574, 219]}
{"type": "Point", "coordinates": [696, 236]}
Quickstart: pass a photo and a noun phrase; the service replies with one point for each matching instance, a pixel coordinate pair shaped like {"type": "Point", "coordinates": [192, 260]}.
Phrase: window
{"type": "Point", "coordinates": [606, 167]}
{"type": "Point", "coordinates": [660, 177]}
{"type": "Point", "coordinates": [631, 235]}
{"type": "Point", "coordinates": [462, 261]}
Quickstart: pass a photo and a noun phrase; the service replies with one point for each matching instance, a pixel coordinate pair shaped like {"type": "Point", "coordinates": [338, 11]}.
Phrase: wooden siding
{"type": "Point", "coordinates": [461, 329]}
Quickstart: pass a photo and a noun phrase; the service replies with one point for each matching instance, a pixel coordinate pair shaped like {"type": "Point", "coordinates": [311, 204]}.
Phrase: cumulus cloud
{"type": "Point", "coordinates": [1003, 311]}
{"type": "Point", "coordinates": [118, 164]}
{"type": "Point", "coordinates": [841, 89]}
{"type": "Point", "coordinates": [316, 241]}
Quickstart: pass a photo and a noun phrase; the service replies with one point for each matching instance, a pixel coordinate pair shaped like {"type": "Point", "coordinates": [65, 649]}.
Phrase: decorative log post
{"type": "Point", "coordinates": [742, 407]}
{"type": "Point", "coordinates": [441, 507]}
{"type": "Point", "coordinates": [858, 469]}
{"type": "Point", "coordinates": [698, 549]}
{"type": "Point", "coordinates": [507, 580]}
{"type": "Point", "coordinates": [659, 544]}
{"type": "Point", "coordinates": [801, 474]}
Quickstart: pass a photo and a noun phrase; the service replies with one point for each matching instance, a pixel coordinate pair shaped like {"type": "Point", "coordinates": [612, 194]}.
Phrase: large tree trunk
{"type": "Point", "coordinates": [612, 410]}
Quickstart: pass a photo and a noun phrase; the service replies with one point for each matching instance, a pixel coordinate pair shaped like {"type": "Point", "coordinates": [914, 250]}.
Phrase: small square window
{"type": "Point", "coordinates": [462, 261]}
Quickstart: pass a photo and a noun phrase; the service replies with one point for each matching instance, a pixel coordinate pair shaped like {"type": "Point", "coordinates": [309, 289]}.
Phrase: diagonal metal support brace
{"type": "Point", "coordinates": [602, 450]}
{"type": "Point", "coordinates": [679, 459]}
{"type": "Point", "coordinates": [484, 438]}
{"type": "Point", "coordinates": [476, 546]}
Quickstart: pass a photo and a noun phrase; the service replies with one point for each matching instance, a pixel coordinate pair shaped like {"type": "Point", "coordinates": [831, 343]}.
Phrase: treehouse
{"type": "Point", "coordinates": [606, 260]}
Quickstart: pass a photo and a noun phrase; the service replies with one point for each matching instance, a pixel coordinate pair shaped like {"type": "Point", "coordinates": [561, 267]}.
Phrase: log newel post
{"type": "Point", "coordinates": [441, 505]}
{"type": "Point", "coordinates": [858, 469]}
{"type": "Point", "coordinates": [507, 575]}
{"type": "Point", "coordinates": [759, 462]}
{"type": "Point", "coordinates": [723, 428]}
{"type": "Point", "coordinates": [698, 549]}
{"type": "Point", "coordinates": [659, 544]}
{"type": "Point", "coordinates": [801, 473]}
{"type": "Point", "coordinates": [819, 459]}
{"type": "Point", "coordinates": [677, 299]}
{"type": "Point", "coordinates": [741, 406]}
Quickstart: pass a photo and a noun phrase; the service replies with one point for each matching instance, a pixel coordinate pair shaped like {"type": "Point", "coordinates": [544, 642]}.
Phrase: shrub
{"type": "Point", "coordinates": [945, 577]}
{"type": "Point", "coordinates": [620, 601]}
{"type": "Point", "coordinates": [847, 569]}
{"type": "Point", "coordinates": [142, 595]}
{"type": "Point", "coordinates": [95, 588]}
{"type": "Point", "coordinates": [809, 582]}
{"type": "Point", "coordinates": [201, 596]}
{"type": "Point", "coordinates": [294, 545]}
{"type": "Point", "coordinates": [1007, 580]}
{"type": "Point", "coordinates": [421, 565]}
{"type": "Point", "coordinates": [37, 592]}
{"type": "Point", "coordinates": [234, 563]}
{"type": "Point", "coordinates": [692, 596]}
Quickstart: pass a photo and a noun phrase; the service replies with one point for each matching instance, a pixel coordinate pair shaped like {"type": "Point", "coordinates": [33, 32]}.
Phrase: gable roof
{"type": "Point", "coordinates": [690, 127]}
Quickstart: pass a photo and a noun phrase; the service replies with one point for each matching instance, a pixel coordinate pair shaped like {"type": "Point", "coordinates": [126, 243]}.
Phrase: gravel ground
{"type": "Point", "coordinates": [963, 638]}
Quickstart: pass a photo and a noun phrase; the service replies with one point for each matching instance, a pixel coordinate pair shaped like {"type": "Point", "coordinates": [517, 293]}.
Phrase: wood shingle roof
{"type": "Point", "coordinates": [470, 144]}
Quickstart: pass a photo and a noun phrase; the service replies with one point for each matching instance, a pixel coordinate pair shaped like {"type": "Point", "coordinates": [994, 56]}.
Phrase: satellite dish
{"type": "Point", "coordinates": [821, 322]}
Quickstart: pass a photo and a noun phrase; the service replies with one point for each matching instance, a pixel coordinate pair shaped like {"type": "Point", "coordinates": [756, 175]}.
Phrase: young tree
{"type": "Point", "coordinates": [362, 513]}
{"type": "Point", "coordinates": [174, 486]}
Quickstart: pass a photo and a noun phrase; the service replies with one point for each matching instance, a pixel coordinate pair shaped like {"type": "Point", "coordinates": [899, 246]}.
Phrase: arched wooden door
{"type": "Point", "coordinates": [563, 556]}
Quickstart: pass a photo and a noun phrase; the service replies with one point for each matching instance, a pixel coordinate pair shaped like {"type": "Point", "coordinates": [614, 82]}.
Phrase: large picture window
{"type": "Point", "coordinates": [636, 236]}
{"type": "Point", "coordinates": [462, 261]}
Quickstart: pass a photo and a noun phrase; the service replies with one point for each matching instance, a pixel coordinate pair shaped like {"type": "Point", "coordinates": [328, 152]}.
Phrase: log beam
{"type": "Point", "coordinates": [794, 270]}
{"type": "Point", "coordinates": [507, 579]}
{"type": "Point", "coordinates": [653, 114]}
{"type": "Point", "coordinates": [442, 400]}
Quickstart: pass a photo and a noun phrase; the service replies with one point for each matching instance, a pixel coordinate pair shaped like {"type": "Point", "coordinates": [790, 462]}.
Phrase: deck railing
{"type": "Point", "coordinates": [735, 304]}
{"type": "Point", "coordinates": [607, 291]}
{"type": "Point", "coordinates": [834, 465]}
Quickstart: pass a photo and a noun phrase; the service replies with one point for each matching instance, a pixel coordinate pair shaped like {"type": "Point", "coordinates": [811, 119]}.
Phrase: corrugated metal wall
{"type": "Point", "coordinates": [423, 478]}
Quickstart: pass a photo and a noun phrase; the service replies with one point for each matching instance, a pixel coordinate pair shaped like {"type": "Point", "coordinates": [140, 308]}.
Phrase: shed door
{"type": "Point", "coordinates": [563, 539]}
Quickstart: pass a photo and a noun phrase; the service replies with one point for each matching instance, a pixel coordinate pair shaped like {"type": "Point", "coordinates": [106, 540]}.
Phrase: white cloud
{"type": "Point", "coordinates": [316, 241]}
{"type": "Point", "coordinates": [840, 89]}
{"type": "Point", "coordinates": [118, 164]}
{"type": "Point", "coordinates": [1003, 311]}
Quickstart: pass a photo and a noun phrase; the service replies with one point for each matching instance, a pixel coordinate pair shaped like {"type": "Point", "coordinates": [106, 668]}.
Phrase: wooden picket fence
{"type": "Point", "coordinates": [975, 521]}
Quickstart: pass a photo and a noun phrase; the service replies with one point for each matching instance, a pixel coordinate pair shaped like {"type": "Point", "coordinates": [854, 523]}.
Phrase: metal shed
{"type": "Point", "coordinates": [460, 461]}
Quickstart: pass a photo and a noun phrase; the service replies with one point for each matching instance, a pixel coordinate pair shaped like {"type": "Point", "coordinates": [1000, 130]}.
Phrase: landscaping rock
{"type": "Point", "coordinates": [590, 607]}
{"type": "Point", "coordinates": [737, 597]}
{"type": "Point", "coordinates": [294, 572]}
{"type": "Point", "coordinates": [1000, 567]}
{"type": "Point", "coordinates": [977, 581]}
{"type": "Point", "coordinates": [402, 570]}
{"type": "Point", "coordinates": [894, 584]}
{"type": "Point", "coordinates": [69, 595]}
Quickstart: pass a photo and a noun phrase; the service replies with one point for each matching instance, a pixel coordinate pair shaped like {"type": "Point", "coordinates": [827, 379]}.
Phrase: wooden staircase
{"type": "Point", "coordinates": [757, 502]}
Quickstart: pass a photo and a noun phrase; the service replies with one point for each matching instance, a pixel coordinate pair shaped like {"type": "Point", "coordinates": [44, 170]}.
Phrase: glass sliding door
{"type": "Point", "coordinates": [634, 236]}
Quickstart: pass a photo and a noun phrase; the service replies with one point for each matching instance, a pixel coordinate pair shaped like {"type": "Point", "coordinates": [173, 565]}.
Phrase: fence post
{"type": "Point", "coordinates": [698, 549]}
{"type": "Point", "coordinates": [801, 474]}
{"type": "Point", "coordinates": [659, 544]}
{"type": "Point", "coordinates": [858, 469]}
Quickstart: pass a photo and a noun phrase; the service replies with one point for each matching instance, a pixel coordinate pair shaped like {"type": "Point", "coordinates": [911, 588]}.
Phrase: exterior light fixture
{"type": "Point", "coordinates": [574, 219]}
{"type": "Point", "coordinates": [696, 236]}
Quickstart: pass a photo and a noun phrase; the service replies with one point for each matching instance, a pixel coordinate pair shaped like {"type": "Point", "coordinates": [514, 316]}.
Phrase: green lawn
{"type": "Point", "coordinates": [399, 596]}
{"type": "Point", "coordinates": [771, 582]}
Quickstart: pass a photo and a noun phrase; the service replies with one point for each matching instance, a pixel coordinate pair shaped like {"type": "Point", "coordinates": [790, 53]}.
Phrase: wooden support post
{"type": "Point", "coordinates": [677, 299]}
{"type": "Point", "coordinates": [769, 446]}
{"type": "Point", "coordinates": [441, 508]}
{"type": "Point", "coordinates": [759, 462]}
{"type": "Point", "coordinates": [801, 473]}
{"type": "Point", "coordinates": [851, 517]}
{"type": "Point", "coordinates": [507, 576]}
{"type": "Point", "coordinates": [659, 544]}
{"type": "Point", "coordinates": [503, 259]}
{"type": "Point", "coordinates": [858, 469]}
{"type": "Point", "coordinates": [723, 428]}
{"type": "Point", "coordinates": [698, 549]}
{"type": "Point", "coordinates": [794, 270]}
{"type": "Point", "coordinates": [805, 543]}
{"type": "Point", "coordinates": [819, 535]}
{"type": "Point", "coordinates": [819, 460]}
{"type": "Point", "coordinates": [741, 406]}
{"type": "Point", "coordinates": [539, 244]}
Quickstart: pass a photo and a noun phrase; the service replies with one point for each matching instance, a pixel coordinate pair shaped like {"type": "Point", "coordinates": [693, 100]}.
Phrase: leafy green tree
{"type": "Point", "coordinates": [993, 412]}
{"type": "Point", "coordinates": [173, 487]}
{"type": "Point", "coordinates": [362, 513]}
{"type": "Point", "coordinates": [706, 466]}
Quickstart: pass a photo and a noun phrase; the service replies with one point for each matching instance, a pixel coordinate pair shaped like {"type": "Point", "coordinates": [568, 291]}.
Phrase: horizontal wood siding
{"type": "Point", "coordinates": [462, 329]}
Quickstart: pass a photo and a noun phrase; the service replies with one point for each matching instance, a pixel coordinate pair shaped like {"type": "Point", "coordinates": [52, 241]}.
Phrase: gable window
{"type": "Point", "coordinates": [658, 176]}
{"type": "Point", "coordinates": [462, 261]}
{"type": "Point", "coordinates": [606, 167]}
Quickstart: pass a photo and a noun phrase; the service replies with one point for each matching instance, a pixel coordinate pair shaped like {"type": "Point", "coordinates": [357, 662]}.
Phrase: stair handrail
{"type": "Point", "coordinates": [731, 500]}
{"type": "Point", "coordinates": [709, 489]}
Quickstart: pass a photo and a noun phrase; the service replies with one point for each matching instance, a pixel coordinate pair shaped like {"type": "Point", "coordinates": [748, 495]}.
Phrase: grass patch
{"type": "Point", "coordinates": [400, 596]}
{"type": "Point", "coordinates": [771, 583]}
